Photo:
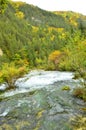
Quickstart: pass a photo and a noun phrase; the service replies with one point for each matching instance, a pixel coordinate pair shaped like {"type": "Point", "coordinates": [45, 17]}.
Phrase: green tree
{"type": "Point", "coordinates": [3, 5]}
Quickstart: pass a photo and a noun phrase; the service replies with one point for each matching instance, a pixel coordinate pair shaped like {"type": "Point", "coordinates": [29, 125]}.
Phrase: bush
{"type": "Point", "coordinates": [80, 93]}
{"type": "Point", "coordinates": [10, 72]}
{"type": "Point", "coordinates": [78, 123]}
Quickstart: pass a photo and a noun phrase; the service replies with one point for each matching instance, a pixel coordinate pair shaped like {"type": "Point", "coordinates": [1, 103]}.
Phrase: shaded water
{"type": "Point", "coordinates": [39, 103]}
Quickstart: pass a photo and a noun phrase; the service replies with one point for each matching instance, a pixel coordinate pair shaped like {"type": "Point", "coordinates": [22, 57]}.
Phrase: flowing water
{"type": "Point", "coordinates": [39, 102]}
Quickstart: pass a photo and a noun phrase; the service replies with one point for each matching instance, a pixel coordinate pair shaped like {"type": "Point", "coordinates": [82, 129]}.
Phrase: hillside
{"type": "Point", "coordinates": [32, 34]}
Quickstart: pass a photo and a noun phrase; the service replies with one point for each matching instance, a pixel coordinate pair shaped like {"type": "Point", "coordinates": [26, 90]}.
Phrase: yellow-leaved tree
{"type": "Point", "coordinates": [55, 57]}
{"type": "Point", "coordinates": [19, 14]}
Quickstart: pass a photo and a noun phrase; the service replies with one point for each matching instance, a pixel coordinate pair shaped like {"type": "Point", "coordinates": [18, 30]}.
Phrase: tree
{"type": "Point", "coordinates": [20, 14]}
{"type": "Point", "coordinates": [55, 57]}
{"type": "Point", "coordinates": [3, 5]}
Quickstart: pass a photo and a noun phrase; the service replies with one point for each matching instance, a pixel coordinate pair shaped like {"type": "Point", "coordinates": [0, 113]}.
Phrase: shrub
{"type": "Point", "coordinates": [10, 73]}
{"type": "Point", "coordinates": [78, 123]}
{"type": "Point", "coordinates": [80, 93]}
{"type": "Point", "coordinates": [55, 57]}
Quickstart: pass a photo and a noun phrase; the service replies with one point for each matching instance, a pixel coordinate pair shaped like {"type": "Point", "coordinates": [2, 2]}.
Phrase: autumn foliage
{"type": "Point", "coordinates": [55, 57]}
{"type": "Point", "coordinates": [10, 72]}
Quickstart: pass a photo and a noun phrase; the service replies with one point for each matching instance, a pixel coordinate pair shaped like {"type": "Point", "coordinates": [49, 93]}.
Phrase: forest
{"type": "Point", "coordinates": [32, 38]}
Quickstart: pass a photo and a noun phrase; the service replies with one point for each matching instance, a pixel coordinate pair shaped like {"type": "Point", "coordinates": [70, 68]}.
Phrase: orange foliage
{"type": "Point", "coordinates": [55, 56]}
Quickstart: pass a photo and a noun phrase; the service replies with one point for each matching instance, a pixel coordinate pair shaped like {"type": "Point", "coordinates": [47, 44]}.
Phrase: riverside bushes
{"type": "Point", "coordinates": [10, 72]}
{"type": "Point", "coordinates": [78, 123]}
{"type": "Point", "coordinates": [80, 93]}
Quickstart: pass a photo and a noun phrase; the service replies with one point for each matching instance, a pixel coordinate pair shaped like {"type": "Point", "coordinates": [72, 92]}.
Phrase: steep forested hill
{"type": "Point", "coordinates": [30, 33]}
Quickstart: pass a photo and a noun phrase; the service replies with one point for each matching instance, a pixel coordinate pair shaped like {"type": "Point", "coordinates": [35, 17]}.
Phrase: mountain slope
{"type": "Point", "coordinates": [28, 32]}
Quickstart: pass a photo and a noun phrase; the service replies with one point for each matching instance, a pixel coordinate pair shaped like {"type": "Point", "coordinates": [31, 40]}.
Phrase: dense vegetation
{"type": "Point", "coordinates": [35, 38]}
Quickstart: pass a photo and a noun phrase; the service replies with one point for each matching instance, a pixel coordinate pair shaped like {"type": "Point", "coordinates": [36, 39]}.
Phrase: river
{"type": "Point", "coordinates": [40, 102]}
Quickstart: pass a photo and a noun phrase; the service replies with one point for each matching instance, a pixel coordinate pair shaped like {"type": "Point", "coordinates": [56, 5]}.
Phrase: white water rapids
{"type": "Point", "coordinates": [37, 79]}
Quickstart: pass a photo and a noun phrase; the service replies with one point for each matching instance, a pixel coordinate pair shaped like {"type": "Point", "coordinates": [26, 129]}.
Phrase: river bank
{"type": "Point", "coordinates": [40, 103]}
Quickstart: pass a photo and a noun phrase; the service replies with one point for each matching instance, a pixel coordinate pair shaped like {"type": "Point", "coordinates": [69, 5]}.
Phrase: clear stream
{"type": "Point", "coordinates": [40, 103]}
